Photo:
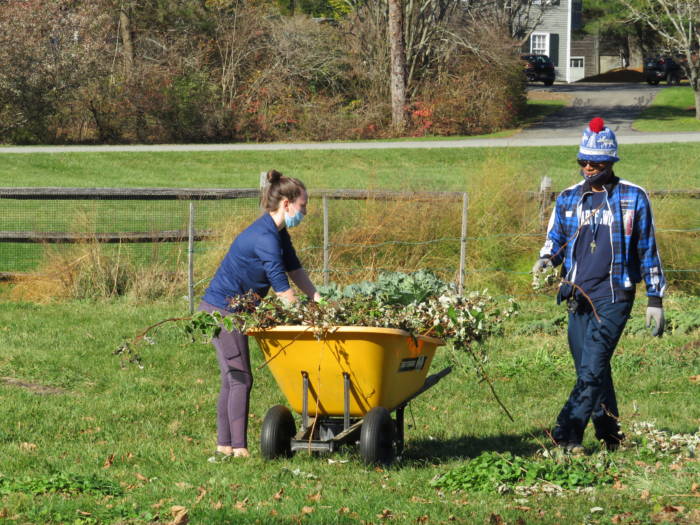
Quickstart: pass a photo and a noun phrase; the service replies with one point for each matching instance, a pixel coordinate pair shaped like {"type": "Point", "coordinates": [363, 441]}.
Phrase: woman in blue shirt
{"type": "Point", "coordinates": [260, 258]}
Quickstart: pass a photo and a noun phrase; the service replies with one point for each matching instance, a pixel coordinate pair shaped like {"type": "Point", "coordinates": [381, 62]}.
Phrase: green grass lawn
{"type": "Point", "coordinates": [87, 439]}
{"type": "Point", "coordinates": [673, 109]}
{"type": "Point", "coordinates": [432, 169]}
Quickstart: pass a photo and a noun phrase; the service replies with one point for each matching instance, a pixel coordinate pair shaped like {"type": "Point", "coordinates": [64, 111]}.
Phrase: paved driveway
{"type": "Point", "coordinates": [618, 104]}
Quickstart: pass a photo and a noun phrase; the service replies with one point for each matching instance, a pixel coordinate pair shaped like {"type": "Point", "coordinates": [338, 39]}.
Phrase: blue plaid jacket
{"type": "Point", "coordinates": [631, 234]}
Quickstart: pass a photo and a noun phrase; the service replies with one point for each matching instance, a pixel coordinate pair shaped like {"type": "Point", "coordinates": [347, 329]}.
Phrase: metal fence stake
{"type": "Point", "coordinates": [190, 259]}
{"type": "Point", "coordinates": [326, 253]}
{"type": "Point", "coordinates": [545, 191]}
{"type": "Point", "coordinates": [463, 244]}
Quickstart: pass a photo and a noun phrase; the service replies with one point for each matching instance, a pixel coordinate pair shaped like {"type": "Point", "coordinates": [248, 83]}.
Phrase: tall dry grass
{"type": "Point", "coordinates": [366, 238]}
{"type": "Point", "coordinates": [89, 271]}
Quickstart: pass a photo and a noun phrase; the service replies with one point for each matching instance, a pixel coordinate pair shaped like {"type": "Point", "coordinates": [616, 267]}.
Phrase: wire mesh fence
{"type": "Point", "coordinates": [348, 235]}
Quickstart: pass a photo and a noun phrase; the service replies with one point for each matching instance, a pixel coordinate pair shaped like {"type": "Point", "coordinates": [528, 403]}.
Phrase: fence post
{"type": "Point", "coordinates": [190, 258]}
{"type": "Point", "coordinates": [545, 191]}
{"type": "Point", "coordinates": [463, 244]}
{"type": "Point", "coordinates": [326, 250]}
{"type": "Point", "coordinates": [263, 184]}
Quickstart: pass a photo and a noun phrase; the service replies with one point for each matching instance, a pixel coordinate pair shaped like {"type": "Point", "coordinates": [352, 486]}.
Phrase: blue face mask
{"type": "Point", "coordinates": [294, 220]}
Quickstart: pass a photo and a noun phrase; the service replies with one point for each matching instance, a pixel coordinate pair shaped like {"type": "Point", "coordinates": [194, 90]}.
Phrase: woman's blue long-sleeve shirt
{"type": "Point", "coordinates": [259, 258]}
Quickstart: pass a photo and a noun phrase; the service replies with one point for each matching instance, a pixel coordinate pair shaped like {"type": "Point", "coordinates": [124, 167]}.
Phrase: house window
{"type": "Point", "coordinates": [539, 44]}
{"type": "Point", "coordinates": [576, 62]}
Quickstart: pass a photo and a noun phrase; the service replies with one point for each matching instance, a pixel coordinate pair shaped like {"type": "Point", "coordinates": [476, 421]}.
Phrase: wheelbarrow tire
{"type": "Point", "coordinates": [277, 431]}
{"type": "Point", "coordinates": [377, 437]}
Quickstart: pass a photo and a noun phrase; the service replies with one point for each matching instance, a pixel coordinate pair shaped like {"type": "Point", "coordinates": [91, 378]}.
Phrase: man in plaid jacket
{"type": "Point", "coordinates": [602, 233]}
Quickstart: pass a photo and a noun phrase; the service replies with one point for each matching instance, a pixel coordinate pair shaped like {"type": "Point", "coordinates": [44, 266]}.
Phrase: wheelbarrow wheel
{"type": "Point", "coordinates": [278, 429]}
{"type": "Point", "coordinates": [377, 437]}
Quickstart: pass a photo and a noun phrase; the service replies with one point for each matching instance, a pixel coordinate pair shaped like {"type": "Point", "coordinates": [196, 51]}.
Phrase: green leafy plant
{"type": "Point", "coordinates": [60, 483]}
{"type": "Point", "coordinates": [493, 471]}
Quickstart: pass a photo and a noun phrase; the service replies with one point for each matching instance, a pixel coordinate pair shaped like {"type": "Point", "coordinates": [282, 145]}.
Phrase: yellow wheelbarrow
{"type": "Point", "coordinates": [344, 384]}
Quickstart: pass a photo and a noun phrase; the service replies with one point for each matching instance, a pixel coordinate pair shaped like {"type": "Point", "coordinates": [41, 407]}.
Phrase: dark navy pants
{"type": "Point", "coordinates": [592, 344]}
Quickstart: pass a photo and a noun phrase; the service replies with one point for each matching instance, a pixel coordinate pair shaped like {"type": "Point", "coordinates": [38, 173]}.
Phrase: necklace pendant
{"type": "Point", "coordinates": [593, 246]}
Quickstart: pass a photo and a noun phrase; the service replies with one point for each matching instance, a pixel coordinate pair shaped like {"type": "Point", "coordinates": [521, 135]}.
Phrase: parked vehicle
{"type": "Point", "coordinates": [538, 68]}
{"type": "Point", "coordinates": [657, 69]}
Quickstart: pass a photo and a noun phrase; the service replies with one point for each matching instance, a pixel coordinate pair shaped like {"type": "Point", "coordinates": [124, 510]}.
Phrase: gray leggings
{"type": "Point", "coordinates": [236, 382]}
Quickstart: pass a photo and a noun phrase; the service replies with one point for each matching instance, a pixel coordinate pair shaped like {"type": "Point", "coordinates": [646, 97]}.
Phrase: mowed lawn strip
{"type": "Point", "coordinates": [662, 166]}
{"type": "Point", "coordinates": [148, 431]}
{"type": "Point", "coordinates": [673, 109]}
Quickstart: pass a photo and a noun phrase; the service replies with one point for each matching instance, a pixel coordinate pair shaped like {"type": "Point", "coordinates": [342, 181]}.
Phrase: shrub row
{"type": "Point", "coordinates": [73, 72]}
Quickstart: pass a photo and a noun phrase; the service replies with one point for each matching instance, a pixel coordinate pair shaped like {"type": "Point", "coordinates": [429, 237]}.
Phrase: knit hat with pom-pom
{"type": "Point", "coordinates": [598, 143]}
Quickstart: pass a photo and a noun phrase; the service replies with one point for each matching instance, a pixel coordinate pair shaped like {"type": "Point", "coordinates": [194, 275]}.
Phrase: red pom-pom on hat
{"type": "Point", "coordinates": [596, 125]}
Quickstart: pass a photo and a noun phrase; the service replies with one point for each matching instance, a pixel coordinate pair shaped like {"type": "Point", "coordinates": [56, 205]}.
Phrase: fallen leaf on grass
{"type": "Point", "coordinates": [84, 513]}
{"type": "Point", "coordinates": [217, 505]}
{"type": "Point", "coordinates": [418, 499]}
{"type": "Point", "coordinates": [618, 485]}
{"type": "Point", "coordinates": [278, 495]}
{"type": "Point", "coordinates": [27, 447]}
{"type": "Point", "coordinates": [160, 503]}
{"type": "Point", "coordinates": [386, 514]}
{"type": "Point", "coordinates": [693, 516]}
{"type": "Point", "coordinates": [180, 515]}
{"type": "Point", "coordinates": [201, 492]}
{"type": "Point", "coordinates": [695, 379]}
{"type": "Point", "coordinates": [523, 508]}
{"type": "Point", "coordinates": [314, 497]}
{"type": "Point", "coordinates": [668, 513]}
{"type": "Point", "coordinates": [495, 519]}
{"type": "Point", "coordinates": [108, 462]}
{"type": "Point", "coordinates": [620, 518]}
{"type": "Point", "coordinates": [675, 466]}
{"type": "Point", "coordinates": [307, 510]}
{"type": "Point", "coordinates": [343, 510]}
{"type": "Point", "coordinates": [183, 485]}
{"type": "Point", "coordinates": [140, 477]}
{"type": "Point", "coordinates": [241, 505]}
{"type": "Point", "coordinates": [422, 519]}
{"type": "Point", "coordinates": [644, 494]}
{"type": "Point", "coordinates": [4, 512]}
{"type": "Point", "coordinates": [273, 512]}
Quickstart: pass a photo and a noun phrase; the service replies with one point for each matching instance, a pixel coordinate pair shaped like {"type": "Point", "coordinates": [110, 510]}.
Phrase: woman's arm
{"type": "Point", "coordinates": [301, 279]}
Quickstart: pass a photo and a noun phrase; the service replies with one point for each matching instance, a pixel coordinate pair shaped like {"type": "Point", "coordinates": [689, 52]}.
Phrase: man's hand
{"type": "Point", "coordinates": [541, 265]}
{"type": "Point", "coordinates": [656, 314]}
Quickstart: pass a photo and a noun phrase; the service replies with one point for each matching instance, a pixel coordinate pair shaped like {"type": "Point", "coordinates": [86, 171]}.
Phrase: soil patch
{"type": "Point", "coordinates": [617, 75]}
{"type": "Point", "coordinates": [35, 388]}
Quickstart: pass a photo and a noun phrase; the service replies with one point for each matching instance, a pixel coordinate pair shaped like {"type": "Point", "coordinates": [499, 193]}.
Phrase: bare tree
{"type": "Point", "coordinates": [398, 65]}
{"type": "Point", "coordinates": [677, 22]}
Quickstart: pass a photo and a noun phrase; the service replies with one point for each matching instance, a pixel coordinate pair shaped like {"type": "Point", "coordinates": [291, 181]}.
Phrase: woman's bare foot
{"type": "Point", "coordinates": [224, 450]}
{"type": "Point", "coordinates": [241, 453]}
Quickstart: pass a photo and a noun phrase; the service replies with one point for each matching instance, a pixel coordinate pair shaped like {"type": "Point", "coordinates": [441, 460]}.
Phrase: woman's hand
{"type": "Point", "coordinates": [288, 296]}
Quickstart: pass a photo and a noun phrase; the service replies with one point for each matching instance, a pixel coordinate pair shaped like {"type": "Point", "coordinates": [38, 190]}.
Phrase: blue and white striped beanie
{"type": "Point", "coordinates": [598, 143]}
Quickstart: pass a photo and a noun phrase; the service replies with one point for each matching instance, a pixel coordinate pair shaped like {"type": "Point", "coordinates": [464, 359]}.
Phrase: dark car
{"type": "Point", "coordinates": [661, 68]}
{"type": "Point", "coordinates": [538, 68]}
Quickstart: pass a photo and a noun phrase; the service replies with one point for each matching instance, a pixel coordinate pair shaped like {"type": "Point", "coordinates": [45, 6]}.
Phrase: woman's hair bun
{"type": "Point", "coordinates": [273, 176]}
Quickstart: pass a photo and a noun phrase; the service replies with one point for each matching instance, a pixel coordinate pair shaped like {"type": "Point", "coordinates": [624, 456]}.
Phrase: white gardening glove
{"type": "Point", "coordinates": [541, 265]}
{"type": "Point", "coordinates": [656, 314]}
